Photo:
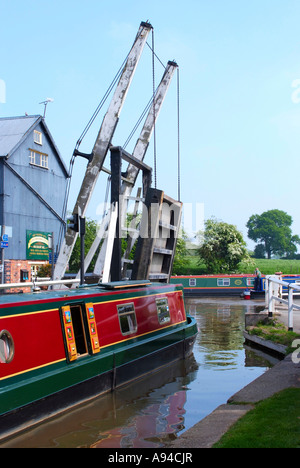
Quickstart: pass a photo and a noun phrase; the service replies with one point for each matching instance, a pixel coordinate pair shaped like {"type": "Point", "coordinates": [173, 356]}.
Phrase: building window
{"type": "Point", "coordinates": [163, 310]}
{"type": "Point", "coordinates": [38, 159]}
{"type": "Point", "coordinates": [223, 282]}
{"type": "Point", "coordinates": [37, 137]}
{"type": "Point", "coordinates": [127, 318]}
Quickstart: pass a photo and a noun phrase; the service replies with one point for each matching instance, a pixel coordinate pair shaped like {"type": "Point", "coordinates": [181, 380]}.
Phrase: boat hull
{"type": "Point", "coordinates": [44, 408]}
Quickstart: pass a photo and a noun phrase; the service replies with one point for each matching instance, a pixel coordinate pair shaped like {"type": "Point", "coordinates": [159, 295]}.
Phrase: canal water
{"type": "Point", "coordinates": [153, 412]}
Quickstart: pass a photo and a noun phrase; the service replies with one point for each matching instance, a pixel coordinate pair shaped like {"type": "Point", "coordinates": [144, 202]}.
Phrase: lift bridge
{"type": "Point", "coordinates": [155, 235]}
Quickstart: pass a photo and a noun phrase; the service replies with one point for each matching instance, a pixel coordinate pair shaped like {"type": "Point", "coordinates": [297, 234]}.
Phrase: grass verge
{"type": "Point", "coordinates": [273, 423]}
{"type": "Point", "coordinates": [272, 330]}
{"type": "Point", "coordinates": [267, 267]}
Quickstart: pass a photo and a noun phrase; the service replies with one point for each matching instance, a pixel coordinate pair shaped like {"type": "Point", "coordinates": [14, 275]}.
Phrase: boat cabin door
{"type": "Point", "coordinates": [80, 330]}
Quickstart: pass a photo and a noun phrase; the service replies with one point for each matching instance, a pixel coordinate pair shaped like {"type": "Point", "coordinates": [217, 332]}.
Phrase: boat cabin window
{"type": "Point", "coordinates": [7, 348]}
{"type": "Point", "coordinates": [223, 282]}
{"type": "Point", "coordinates": [192, 282]}
{"type": "Point", "coordinates": [163, 310]}
{"type": "Point", "coordinates": [79, 331]}
{"type": "Point", "coordinates": [127, 318]}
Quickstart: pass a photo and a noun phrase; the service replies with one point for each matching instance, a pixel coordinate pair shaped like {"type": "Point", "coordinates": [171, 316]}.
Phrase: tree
{"type": "Point", "coordinates": [272, 229]}
{"type": "Point", "coordinates": [90, 235]}
{"type": "Point", "coordinates": [181, 261]}
{"type": "Point", "coordinates": [259, 251]}
{"type": "Point", "coordinates": [91, 229]}
{"type": "Point", "coordinates": [223, 247]}
{"type": "Point", "coordinates": [44, 271]}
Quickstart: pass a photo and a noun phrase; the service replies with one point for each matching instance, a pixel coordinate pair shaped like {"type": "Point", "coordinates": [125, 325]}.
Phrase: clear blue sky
{"type": "Point", "coordinates": [240, 106]}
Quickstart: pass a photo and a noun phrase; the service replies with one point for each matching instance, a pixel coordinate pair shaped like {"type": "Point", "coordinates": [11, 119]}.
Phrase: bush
{"type": "Point", "coordinates": [45, 271]}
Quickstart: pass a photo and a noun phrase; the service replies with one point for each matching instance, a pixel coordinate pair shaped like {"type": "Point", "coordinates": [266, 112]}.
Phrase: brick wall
{"type": "Point", "coordinates": [12, 269]}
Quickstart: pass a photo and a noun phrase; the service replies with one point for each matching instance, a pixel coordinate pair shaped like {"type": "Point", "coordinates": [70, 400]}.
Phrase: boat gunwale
{"type": "Point", "coordinates": [82, 294]}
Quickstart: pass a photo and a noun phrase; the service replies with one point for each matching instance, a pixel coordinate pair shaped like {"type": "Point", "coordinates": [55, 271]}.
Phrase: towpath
{"type": "Point", "coordinates": [284, 374]}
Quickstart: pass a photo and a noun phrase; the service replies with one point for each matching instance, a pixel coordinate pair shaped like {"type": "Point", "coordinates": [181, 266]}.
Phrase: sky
{"type": "Point", "coordinates": [239, 81]}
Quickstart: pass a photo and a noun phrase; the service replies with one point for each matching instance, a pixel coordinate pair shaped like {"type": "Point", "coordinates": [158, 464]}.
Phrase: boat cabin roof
{"type": "Point", "coordinates": [85, 290]}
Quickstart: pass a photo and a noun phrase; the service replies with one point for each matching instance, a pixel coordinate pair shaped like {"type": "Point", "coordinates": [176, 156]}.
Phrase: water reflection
{"type": "Point", "coordinates": [154, 411]}
{"type": "Point", "coordinates": [148, 413]}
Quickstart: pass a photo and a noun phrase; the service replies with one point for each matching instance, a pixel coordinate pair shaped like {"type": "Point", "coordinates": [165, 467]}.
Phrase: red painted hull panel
{"type": "Point", "coordinates": [37, 331]}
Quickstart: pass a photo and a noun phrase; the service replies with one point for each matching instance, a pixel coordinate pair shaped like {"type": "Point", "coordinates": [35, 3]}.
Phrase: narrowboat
{"type": "Point", "coordinates": [62, 347]}
{"type": "Point", "coordinates": [216, 285]}
{"type": "Point", "coordinates": [227, 285]}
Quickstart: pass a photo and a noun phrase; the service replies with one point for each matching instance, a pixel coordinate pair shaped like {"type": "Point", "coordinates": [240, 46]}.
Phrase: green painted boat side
{"type": "Point", "coordinates": [214, 285]}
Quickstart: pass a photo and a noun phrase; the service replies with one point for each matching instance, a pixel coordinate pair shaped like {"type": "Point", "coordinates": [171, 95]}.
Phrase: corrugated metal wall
{"type": "Point", "coordinates": [23, 210]}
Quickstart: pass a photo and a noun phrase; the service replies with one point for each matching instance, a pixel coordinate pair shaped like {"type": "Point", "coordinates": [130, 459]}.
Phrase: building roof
{"type": "Point", "coordinates": [14, 130]}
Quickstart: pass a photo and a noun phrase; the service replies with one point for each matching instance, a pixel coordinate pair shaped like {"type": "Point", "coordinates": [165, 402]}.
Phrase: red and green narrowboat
{"type": "Point", "coordinates": [59, 348]}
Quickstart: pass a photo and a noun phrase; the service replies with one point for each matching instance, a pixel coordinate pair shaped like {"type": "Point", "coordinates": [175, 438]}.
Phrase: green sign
{"type": "Point", "coordinates": [37, 247]}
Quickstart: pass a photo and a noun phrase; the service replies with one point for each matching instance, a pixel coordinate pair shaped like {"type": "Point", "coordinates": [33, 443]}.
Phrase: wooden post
{"type": "Point", "coordinates": [116, 163]}
{"type": "Point", "coordinates": [270, 300]}
{"type": "Point", "coordinates": [290, 309]}
{"type": "Point", "coordinates": [149, 224]}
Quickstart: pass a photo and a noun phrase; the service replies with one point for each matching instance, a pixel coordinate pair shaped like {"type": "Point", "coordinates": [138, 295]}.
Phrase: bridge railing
{"type": "Point", "coordinates": [274, 294]}
{"type": "Point", "coordinates": [34, 285]}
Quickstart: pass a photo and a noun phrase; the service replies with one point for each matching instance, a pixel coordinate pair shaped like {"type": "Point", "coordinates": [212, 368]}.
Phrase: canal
{"type": "Point", "coordinates": [156, 410]}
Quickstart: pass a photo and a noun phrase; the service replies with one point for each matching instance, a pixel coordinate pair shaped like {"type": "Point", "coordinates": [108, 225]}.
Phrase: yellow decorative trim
{"type": "Point", "coordinates": [32, 369]}
{"type": "Point", "coordinates": [142, 334]}
{"type": "Point", "coordinates": [139, 297]}
{"type": "Point", "coordinates": [101, 302]}
{"type": "Point", "coordinates": [29, 313]}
